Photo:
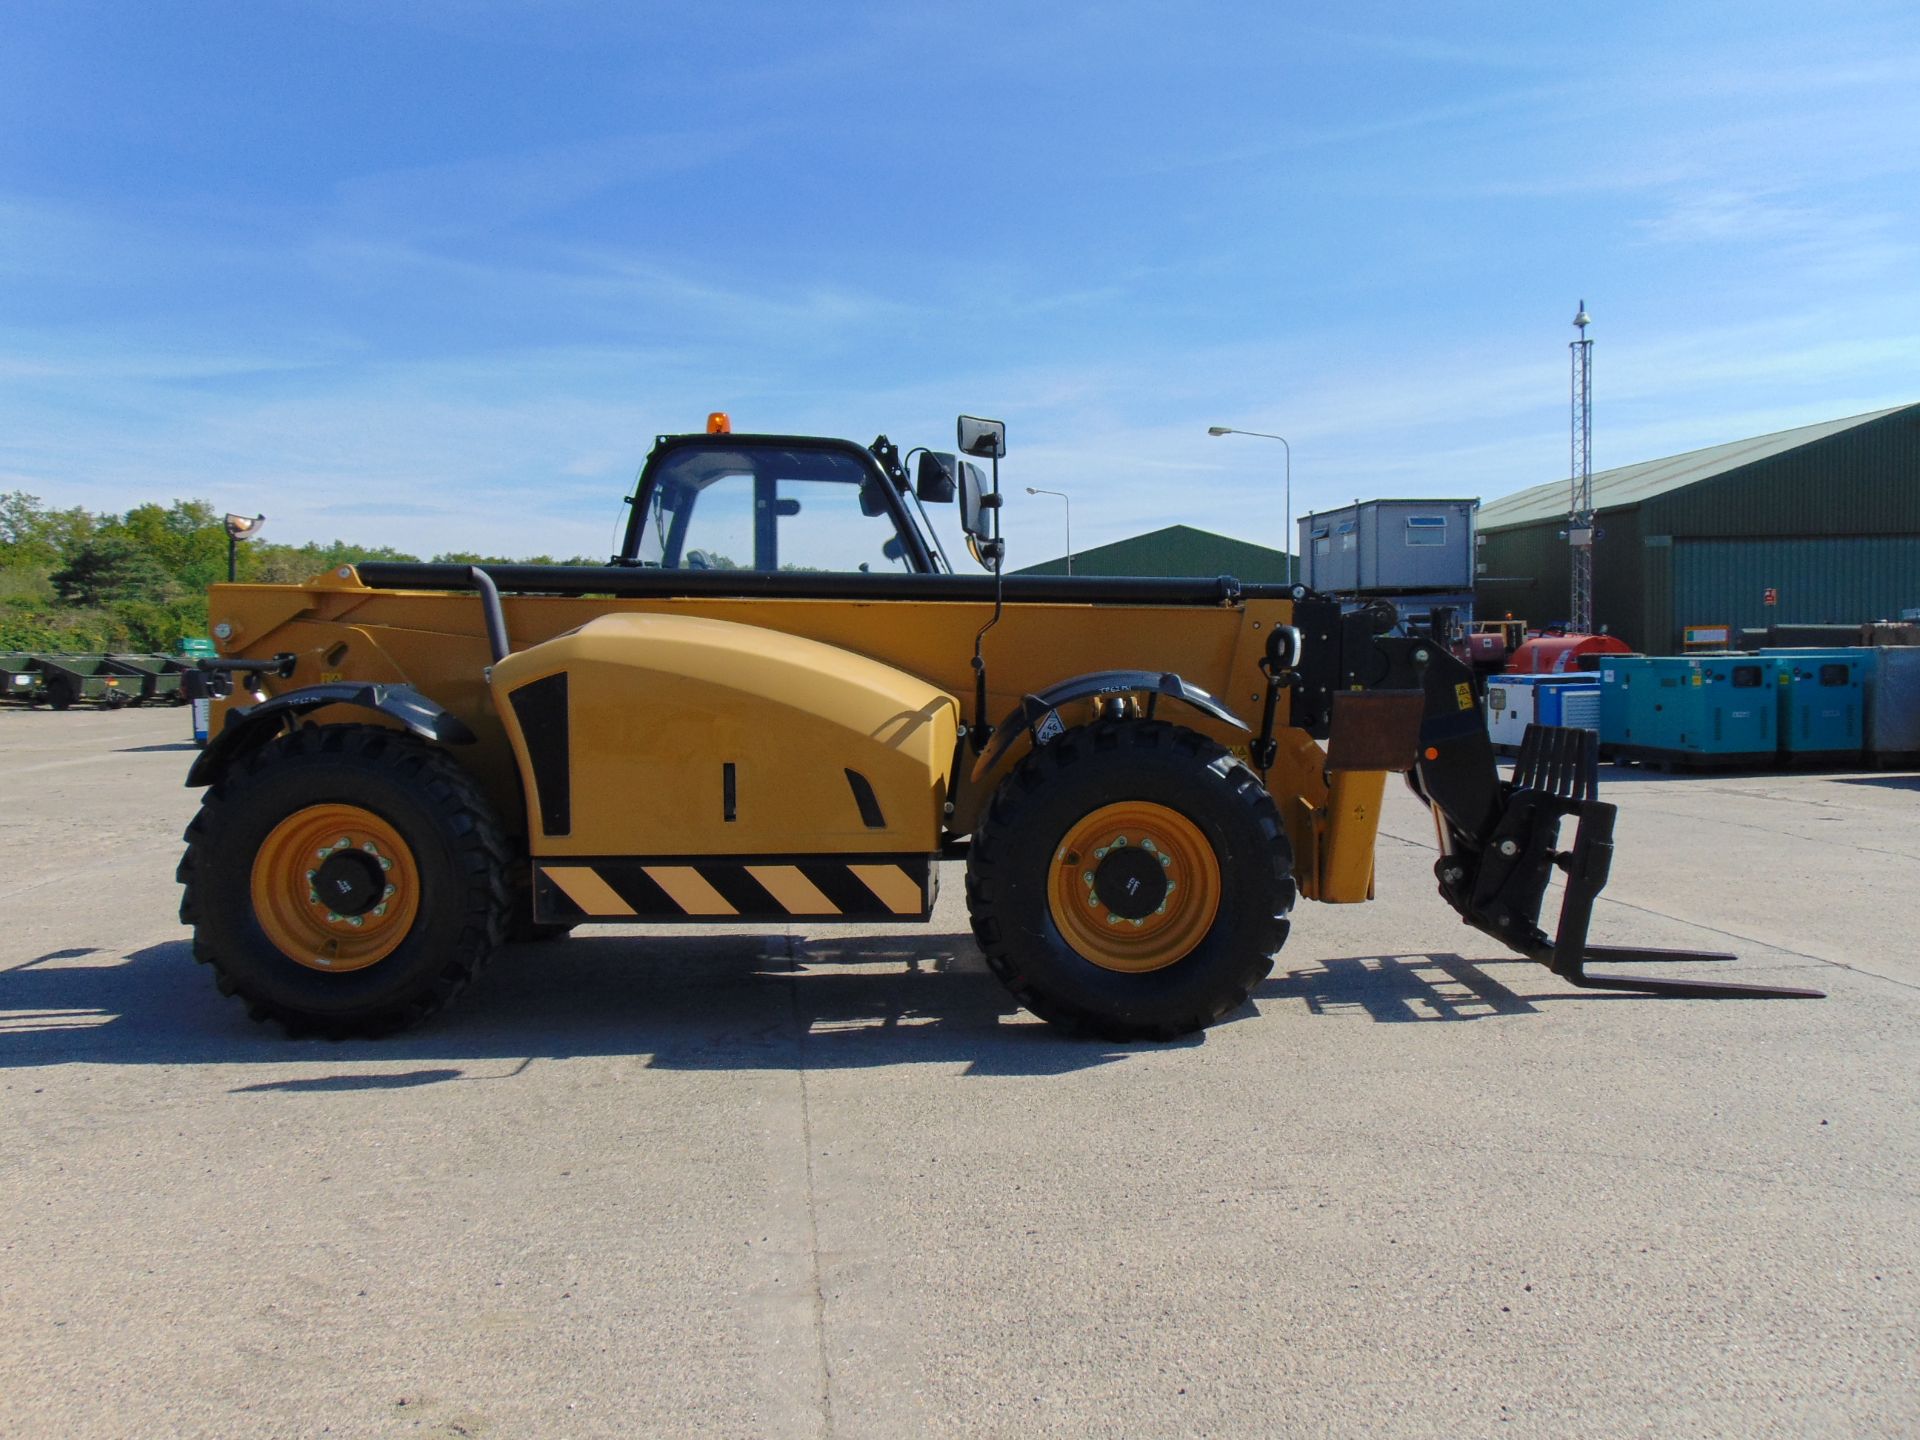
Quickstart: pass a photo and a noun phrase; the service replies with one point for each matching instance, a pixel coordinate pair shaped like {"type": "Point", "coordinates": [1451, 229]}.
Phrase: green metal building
{"type": "Point", "coordinates": [1178, 550]}
{"type": "Point", "coordinates": [1819, 525]}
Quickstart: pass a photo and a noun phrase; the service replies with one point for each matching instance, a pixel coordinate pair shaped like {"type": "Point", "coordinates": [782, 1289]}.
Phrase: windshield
{"type": "Point", "coordinates": [768, 508]}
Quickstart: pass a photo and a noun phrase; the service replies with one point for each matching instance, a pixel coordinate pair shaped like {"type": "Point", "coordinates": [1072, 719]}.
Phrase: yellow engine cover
{"type": "Point", "coordinates": [650, 734]}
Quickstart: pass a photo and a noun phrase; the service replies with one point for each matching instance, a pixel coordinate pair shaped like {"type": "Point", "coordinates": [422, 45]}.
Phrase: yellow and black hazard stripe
{"type": "Point", "coordinates": [734, 887]}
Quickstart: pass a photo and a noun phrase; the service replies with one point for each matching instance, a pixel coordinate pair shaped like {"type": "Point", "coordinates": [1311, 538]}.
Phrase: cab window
{"type": "Point", "coordinates": [768, 508]}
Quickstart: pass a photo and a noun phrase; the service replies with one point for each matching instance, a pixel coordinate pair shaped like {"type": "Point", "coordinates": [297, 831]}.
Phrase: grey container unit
{"type": "Point", "coordinates": [1893, 706]}
{"type": "Point", "coordinates": [1390, 547]}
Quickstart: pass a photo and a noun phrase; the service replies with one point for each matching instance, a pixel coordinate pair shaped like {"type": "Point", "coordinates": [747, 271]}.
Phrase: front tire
{"type": "Point", "coordinates": [345, 880]}
{"type": "Point", "coordinates": [1131, 880]}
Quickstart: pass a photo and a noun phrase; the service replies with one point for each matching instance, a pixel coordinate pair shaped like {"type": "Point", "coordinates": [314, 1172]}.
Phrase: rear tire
{"type": "Point", "coordinates": [1057, 865]}
{"type": "Point", "coordinates": [59, 692]}
{"type": "Point", "coordinates": [395, 825]}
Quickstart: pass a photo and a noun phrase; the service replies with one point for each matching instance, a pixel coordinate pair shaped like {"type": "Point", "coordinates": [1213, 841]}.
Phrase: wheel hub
{"type": "Point", "coordinates": [1131, 881]}
{"type": "Point", "coordinates": [335, 887]}
{"type": "Point", "coordinates": [350, 882]}
{"type": "Point", "coordinates": [1134, 886]}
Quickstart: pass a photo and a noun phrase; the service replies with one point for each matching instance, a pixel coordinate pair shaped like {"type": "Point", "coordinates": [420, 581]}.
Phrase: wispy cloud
{"type": "Point", "coordinates": [489, 192]}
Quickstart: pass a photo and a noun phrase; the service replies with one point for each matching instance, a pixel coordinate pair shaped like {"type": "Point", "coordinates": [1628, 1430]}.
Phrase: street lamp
{"type": "Point", "coordinates": [1261, 434]}
{"type": "Point", "coordinates": [240, 527]}
{"type": "Point", "coordinates": [1032, 490]}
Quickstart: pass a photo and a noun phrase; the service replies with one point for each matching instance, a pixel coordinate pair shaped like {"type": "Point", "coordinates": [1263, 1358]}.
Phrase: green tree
{"type": "Point", "coordinates": [188, 538]}
{"type": "Point", "coordinates": [32, 534]}
{"type": "Point", "coordinates": [114, 567]}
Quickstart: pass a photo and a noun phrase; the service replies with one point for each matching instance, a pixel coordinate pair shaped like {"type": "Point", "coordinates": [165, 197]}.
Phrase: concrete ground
{"type": "Point", "coordinates": [833, 1184]}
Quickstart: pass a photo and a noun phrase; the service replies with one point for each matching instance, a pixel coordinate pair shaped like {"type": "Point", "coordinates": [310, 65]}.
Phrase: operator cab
{"type": "Point", "coordinates": [776, 503]}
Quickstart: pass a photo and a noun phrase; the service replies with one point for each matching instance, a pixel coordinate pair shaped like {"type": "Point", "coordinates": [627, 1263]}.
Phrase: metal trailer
{"type": "Point", "coordinates": [1893, 706]}
{"type": "Point", "coordinates": [66, 680]}
{"type": "Point", "coordinates": [19, 680]}
{"type": "Point", "coordinates": [1693, 710]}
{"type": "Point", "coordinates": [1823, 702]}
{"type": "Point", "coordinates": [1516, 701]}
{"type": "Point", "coordinates": [159, 676]}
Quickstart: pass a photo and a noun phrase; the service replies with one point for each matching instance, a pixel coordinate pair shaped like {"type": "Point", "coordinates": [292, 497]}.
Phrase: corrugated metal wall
{"type": "Point", "coordinates": [1528, 574]}
{"type": "Point", "coordinates": [1822, 580]}
{"type": "Point", "coordinates": [1837, 521]}
{"type": "Point", "coordinates": [1863, 481]}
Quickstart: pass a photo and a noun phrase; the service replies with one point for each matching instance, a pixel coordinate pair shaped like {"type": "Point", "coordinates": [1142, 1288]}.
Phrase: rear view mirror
{"type": "Point", "coordinates": [934, 483]}
{"type": "Point", "coordinates": [974, 500]}
{"type": "Point", "coordinates": [985, 438]}
{"type": "Point", "coordinates": [871, 501]}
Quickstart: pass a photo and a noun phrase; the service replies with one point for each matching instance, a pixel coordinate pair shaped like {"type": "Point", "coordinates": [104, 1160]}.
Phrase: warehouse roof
{"type": "Point", "coordinates": [1176, 551]}
{"type": "Point", "coordinates": [1631, 484]}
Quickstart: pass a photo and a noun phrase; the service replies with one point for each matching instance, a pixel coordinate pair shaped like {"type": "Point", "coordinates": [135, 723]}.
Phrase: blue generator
{"type": "Point", "coordinates": [1823, 702]}
{"type": "Point", "coordinates": [1691, 709]}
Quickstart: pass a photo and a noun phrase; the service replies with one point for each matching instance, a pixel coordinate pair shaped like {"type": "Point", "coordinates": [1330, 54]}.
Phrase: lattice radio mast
{"type": "Point", "coordinates": [1580, 514]}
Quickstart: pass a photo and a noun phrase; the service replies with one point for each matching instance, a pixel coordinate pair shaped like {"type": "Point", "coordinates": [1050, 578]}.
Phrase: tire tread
{"type": "Point", "coordinates": [484, 855]}
{"type": "Point", "coordinates": [1036, 774]}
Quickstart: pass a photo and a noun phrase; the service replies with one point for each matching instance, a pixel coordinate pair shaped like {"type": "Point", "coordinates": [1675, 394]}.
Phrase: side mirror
{"type": "Point", "coordinates": [934, 482]}
{"type": "Point", "coordinates": [974, 500]}
{"type": "Point", "coordinates": [985, 438]}
{"type": "Point", "coordinates": [871, 503]}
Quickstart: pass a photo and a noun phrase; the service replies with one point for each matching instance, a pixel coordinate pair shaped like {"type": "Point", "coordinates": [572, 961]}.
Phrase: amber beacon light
{"type": "Point", "coordinates": [719, 423]}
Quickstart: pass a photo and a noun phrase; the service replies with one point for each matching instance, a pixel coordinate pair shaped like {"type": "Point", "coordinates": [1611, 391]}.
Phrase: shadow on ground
{"type": "Point", "coordinates": [723, 1002]}
{"type": "Point", "coordinates": [1398, 989]}
{"type": "Point", "coordinates": [726, 1002]}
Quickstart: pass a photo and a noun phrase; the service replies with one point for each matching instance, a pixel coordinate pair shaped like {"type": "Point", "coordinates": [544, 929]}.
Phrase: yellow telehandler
{"type": "Point", "coordinates": [779, 702]}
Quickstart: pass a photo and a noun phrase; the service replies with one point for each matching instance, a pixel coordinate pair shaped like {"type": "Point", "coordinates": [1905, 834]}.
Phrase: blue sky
{"type": "Point", "coordinates": [434, 274]}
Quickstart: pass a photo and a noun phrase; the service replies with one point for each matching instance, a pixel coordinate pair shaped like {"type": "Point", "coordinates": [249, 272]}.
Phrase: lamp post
{"type": "Point", "coordinates": [1261, 434]}
{"type": "Point", "coordinates": [1033, 490]}
{"type": "Point", "coordinates": [240, 527]}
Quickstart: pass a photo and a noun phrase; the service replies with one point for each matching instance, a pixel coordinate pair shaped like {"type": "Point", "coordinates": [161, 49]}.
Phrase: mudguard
{"type": "Point", "coordinates": [251, 726]}
{"type": "Point", "coordinates": [1030, 716]}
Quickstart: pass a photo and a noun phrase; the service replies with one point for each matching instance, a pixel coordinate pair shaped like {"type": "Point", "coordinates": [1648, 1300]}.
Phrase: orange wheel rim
{"type": "Point", "coordinates": [1134, 886]}
{"type": "Point", "coordinates": [335, 888]}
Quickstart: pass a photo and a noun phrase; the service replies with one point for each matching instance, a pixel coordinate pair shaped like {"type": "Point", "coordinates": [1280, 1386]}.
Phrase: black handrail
{"type": "Point", "coordinates": [638, 581]}
{"type": "Point", "coordinates": [491, 607]}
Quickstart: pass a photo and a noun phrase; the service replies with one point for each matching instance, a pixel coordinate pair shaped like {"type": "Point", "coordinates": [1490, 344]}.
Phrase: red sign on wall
{"type": "Point", "coordinates": [1771, 596]}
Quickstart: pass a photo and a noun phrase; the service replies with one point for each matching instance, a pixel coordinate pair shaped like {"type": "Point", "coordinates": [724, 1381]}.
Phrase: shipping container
{"type": "Point", "coordinates": [1388, 547]}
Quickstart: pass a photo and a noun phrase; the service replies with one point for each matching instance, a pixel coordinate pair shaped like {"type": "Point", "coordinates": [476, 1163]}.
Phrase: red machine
{"type": "Point", "coordinates": [1491, 642]}
{"type": "Point", "coordinates": [1563, 654]}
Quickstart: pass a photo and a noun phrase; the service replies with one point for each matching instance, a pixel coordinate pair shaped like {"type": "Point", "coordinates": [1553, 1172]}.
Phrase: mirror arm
{"type": "Point", "coordinates": [939, 548]}
{"type": "Point", "coordinates": [994, 550]}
